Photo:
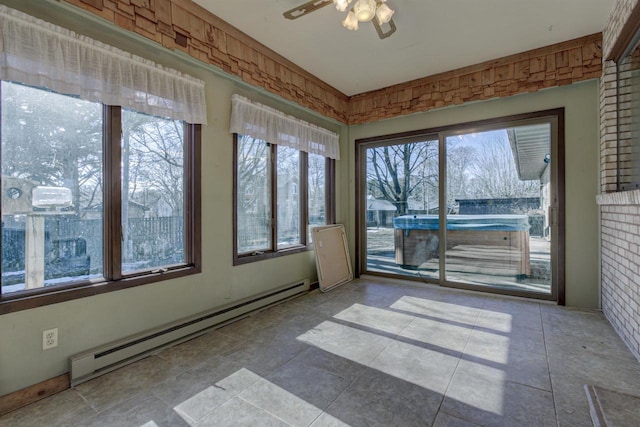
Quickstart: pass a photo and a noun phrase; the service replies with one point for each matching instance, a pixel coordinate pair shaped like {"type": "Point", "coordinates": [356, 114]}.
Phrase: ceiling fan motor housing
{"type": "Point", "coordinates": [365, 10]}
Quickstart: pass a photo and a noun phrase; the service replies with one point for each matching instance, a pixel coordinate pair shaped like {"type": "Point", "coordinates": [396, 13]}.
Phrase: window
{"type": "Point", "coordinates": [152, 192]}
{"type": "Point", "coordinates": [625, 53]}
{"type": "Point", "coordinates": [628, 78]}
{"type": "Point", "coordinates": [51, 146]}
{"type": "Point", "coordinates": [317, 191]}
{"type": "Point", "coordinates": [100, 167]}
{"type": "Point", "coordinates": [283, 180]}
{"type": "Point", "coordinates": [288, 197]}
{"type": "Point", "coordinates": [54, 201]}
{"type": "Point", "coordinates": [253, 206]}
{"type": "Point", "coordinates": [273, 215]}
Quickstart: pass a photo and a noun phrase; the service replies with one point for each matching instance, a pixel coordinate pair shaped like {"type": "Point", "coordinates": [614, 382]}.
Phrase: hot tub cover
{"type": "Point", "coordinates": [464, 222]}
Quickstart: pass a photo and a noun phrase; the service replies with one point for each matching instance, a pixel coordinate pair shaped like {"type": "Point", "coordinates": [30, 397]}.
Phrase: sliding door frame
{"type": "Point", "coordinates": [554, 117]}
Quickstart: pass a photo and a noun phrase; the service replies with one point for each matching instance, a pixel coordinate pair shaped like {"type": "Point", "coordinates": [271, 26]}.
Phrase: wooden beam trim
{"type": "Point", "coordinates": [628, 32]}
{"type": "Point", "coordinates": [249, 41]}
{"type": "Point", "coordinates": [506, 60]}
{"type": "Point", "coordinates": [555, 65]}
{"type": "Point", "coordinates": [18, 399]}
{"type": "Point", "coordinates": [213, 41]}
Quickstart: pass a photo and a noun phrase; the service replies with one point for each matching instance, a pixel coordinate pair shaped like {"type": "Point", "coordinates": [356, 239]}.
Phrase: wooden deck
{"type": "Point", "coordinates": [463, 267]}
{"type": "Point", "coordinates": [472, 251]}
{"type": "Point", "coordinates": [482, 259]}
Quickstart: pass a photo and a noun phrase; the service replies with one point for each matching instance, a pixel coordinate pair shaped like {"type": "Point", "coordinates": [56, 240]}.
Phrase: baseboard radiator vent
{"type": "Point", "coordinates": [114, 355]}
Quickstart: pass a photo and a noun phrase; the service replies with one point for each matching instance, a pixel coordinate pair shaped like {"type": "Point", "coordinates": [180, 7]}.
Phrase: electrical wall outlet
{"type": "Point", "coordinates": [50, 338]}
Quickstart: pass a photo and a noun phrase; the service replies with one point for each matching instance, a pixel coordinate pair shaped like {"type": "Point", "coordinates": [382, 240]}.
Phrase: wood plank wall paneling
{"type": "Point", "coordinates": [184, 25]}
{"type": "Point", "coordinates": [24, 397]}
{"type": "Point", "coordinates": [555, 65]}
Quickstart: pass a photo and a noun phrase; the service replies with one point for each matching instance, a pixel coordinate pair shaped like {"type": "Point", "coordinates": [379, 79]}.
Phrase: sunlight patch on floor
{"type": "Point", "coordinates": [245, 397]}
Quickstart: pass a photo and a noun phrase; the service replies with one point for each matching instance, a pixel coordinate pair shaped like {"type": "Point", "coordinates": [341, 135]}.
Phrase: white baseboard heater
{"type": "Point", "coordinates": [116, 354]}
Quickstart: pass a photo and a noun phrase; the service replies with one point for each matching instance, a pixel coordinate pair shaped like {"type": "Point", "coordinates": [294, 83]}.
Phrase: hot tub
{"type": "Point", "coordinates": [491, 244]}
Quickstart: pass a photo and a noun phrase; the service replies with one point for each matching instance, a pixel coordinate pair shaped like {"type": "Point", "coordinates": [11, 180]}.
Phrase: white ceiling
{"type": "Point", "coordinates": [433, 35]}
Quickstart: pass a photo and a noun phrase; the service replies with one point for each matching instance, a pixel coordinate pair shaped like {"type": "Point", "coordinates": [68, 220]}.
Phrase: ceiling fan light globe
{"type": "Point", "coordinates": [384, 13]}
{"type": "Point", "coordinates": [365, 10]}
{"type": "Point", "coordinates": [341, 5]}
{"type": "Point", "coordinates": [350, 22]}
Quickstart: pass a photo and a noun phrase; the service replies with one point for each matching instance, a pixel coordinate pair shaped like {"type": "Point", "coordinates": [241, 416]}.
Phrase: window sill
{"type": "Point", "coordinates": [249, 258]}
{"type": "Point", "coordinates": [631, 197]}
{"type": "Point", "coordinates": [54, 295]}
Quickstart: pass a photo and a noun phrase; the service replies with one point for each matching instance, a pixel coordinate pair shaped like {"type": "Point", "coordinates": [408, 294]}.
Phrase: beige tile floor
{"type": "Point", "coordinates": [366, 354]}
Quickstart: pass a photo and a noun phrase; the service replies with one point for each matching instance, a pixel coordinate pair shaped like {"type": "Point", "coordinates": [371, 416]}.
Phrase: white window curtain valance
{"type": "Point", "coordinates": [261, 122]}
{"type": "Point", "coordinates": [37, 53]}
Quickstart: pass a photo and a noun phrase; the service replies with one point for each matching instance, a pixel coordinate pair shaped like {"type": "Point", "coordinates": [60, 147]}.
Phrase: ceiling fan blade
{"type": "Point", "coordinates": [305, 9]}
{"type": "Point", "coordinates": [389, 28]}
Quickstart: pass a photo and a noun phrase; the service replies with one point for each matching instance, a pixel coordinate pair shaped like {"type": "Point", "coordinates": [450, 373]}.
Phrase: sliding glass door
{"type": "Point", "coordinates": [498, 197]}
{"type": "Point", "coordinates": [401, 179]}
{"type": "Point", "coordinates": [473, 206]}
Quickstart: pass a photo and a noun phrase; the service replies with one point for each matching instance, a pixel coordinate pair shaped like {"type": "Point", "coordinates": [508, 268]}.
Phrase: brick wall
{"type": "Point", "coordinates": [608, 110]}
{"type": "Point", "coordinates": [181, 24]}
{"type": "Point", "coordinates": [619, 16]}
{"type": "Point", "coordinates": [620, 211]}
{"type": "Point", "coordinates": [621, 266]}
{"type": "Point", "coordinates": [608, 128]}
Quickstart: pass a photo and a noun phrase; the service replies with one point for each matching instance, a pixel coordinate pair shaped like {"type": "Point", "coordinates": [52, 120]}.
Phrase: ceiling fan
{"type": "Point", "coordinates": [374, 11]}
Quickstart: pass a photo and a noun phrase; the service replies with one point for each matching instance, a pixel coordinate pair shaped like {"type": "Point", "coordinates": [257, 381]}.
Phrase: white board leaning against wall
{"type": "Point", "coordinates": [332, 256]}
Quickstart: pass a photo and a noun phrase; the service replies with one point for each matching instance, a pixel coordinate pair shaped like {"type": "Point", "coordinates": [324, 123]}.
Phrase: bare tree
{"type": "Point", "coordinates": [253, 194]}
{"type": "Point", "coordinates": [397, 171]}
{"type": "Point", "coordinates": [253, 173]}
{"type": "Point", "coordinates": [59, 146]}
{"type": "Point", "coordinates": [493, 173]}
{"type": "Point", "coordinates": [155, 154]}
{"type": "Point", "coordinates": [486, 169]}
{"type": "Point", "coordinates": [288, 194]}
{"type": "Point", "coordinates": [316, 189]}
{"type": "Point", "coordinates": [460, 157]}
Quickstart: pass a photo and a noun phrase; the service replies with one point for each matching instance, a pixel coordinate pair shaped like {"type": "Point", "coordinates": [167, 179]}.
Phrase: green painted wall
{"type": "Point", "coordinates": [92, 321]}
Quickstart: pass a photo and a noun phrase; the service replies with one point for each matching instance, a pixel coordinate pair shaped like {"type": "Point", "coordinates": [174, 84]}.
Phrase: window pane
{"type": "Point", "coordinates": [498, 200]}
{"type": "Point", "coordinates": [153, 192]}
{"type": "Point", "coordinates": [402, 184]}
{"type": "Point", "coordinates": [254, 195]}
{"type": "Point", "coordinates": [51, 188]}
{"type": "Point", "coordinates": [629, 121]}
{"type": "Point", "coordinates": [317, 191]}
{"type": "Point", "coordinates": [288, 196]}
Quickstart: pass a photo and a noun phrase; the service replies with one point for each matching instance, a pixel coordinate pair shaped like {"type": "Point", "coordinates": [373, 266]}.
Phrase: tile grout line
{"type": "Point", "coordinates": [84, 399]}
{"type": "Point", "coordinates": [445, 392]}
{"type": "Point", "coordinates": [462, 353]}
{"type": "Point", "coordinates": [225, 401]}
{"type": "Point", "coordinates": [258, 407]}
{"type": "Point", "coordinates": [546, 355]}
{"type": "Point", "coordinates": [111, 405]}
{"type": "Point", "coordinates": [239, 394]}
{"type": "Point", "coordinates": [357, 377]}
{"type": "Point", "coordinates": [360, 374]}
